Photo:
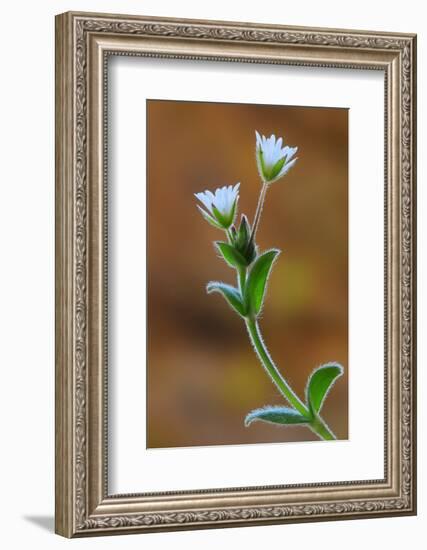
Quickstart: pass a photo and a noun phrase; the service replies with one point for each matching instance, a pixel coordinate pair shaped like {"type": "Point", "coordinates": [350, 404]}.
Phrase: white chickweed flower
{"type": "Point", "coordinates": [220, 206]}
{"type": "Point", "coordinates": [273, 161]}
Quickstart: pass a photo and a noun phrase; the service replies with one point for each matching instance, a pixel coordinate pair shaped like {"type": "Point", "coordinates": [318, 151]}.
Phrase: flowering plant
{"type": "Point", "coordinates": [253, 269]}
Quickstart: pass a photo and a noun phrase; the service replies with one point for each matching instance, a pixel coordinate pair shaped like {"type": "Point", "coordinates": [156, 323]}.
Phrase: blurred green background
{"type": "Point", "coordinates": [203, 375]}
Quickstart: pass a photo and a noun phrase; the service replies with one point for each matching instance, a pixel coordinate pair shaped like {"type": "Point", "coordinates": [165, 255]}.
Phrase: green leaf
{"type": "Point", "coordinates": [209, 218]}
{"type": "Point", "coordinates": [277, 415]}
{"type": "Point", "coordinates": [257, 280]}
{"type": "Point", "coordinates": [319, 384]}
{"type": "Point", "coordinates": [231, 255]}
{"type": "Point", "coordinates": [230, 293]}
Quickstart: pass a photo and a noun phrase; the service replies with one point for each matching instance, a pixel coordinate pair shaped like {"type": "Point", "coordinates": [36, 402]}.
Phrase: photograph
{"type": "Point", "coordinates": [247, 273]}
{"type": "Point", "coordinates": [235, 272]}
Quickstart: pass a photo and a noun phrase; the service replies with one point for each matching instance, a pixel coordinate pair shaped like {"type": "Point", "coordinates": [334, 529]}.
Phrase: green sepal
{"type": "Point", "coordinates": [257, 280]}
{"type": "Point", "coordinates": [320, 383]}
{"type": "Point", "coordinates": [231, 294]}
{"type": "Point", "coordinates": [231, 255]}
{"type": "Point", "coordinates": [233, 211]}
{"type": "Point", "coordinates": [277, 415]}
{"type": "Point", "coordinates": [277, 167]}
{"type": "Point", "coordinates": [265, 176]}
{"type": "Point", "coordinates": [209, 218]}
{"type": "Point", "coordinates": [225, 221]}
{"type": "Point", "coordinates": [225, 224]}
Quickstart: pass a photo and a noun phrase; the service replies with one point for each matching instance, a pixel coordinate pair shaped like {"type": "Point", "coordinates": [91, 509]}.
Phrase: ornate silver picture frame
{"type": "Point", "coordinates": [84, 43]}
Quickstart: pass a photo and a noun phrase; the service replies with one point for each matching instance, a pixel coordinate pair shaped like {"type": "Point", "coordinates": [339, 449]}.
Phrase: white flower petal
{"type": "Point", "coordinates": [205, 199]}
{"type": "Point", "coordinates": [223, 199]}
{"type": "Point", "coordinates": [279, 144]}
{"type": "Point", "coordinates": [290, 153]}
{"type": "Point", "coordinates": [272, 152]}
{"type": "Point", "coordinates": [287, 167]}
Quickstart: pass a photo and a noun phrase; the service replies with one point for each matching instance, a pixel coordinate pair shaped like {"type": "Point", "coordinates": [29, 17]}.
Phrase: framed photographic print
{"type": "Point", "coordinates": [235, 274]}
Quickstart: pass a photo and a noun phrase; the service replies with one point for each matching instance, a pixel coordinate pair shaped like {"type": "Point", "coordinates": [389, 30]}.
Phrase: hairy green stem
{"type": "Point", "coordinates": [241, 278]}
{"type": "Point", "coordinates": [318, 426]}
{"type": "Point", "coordinates": [270, 367]}
{"type": "Point", "coordinates": [258, 211]}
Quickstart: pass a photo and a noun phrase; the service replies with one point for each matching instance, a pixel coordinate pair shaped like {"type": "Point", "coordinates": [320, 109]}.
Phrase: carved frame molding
{"type": "Point", "coordinates": [83, 43]}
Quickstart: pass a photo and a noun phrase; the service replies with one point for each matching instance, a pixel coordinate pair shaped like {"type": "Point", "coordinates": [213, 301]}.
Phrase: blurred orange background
{"type": "Point", "coordinates": [203, 376]}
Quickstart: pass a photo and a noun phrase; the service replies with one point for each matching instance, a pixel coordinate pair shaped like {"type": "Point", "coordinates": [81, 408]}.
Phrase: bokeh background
{"type": "Point", "coordinates": [202, 374]}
